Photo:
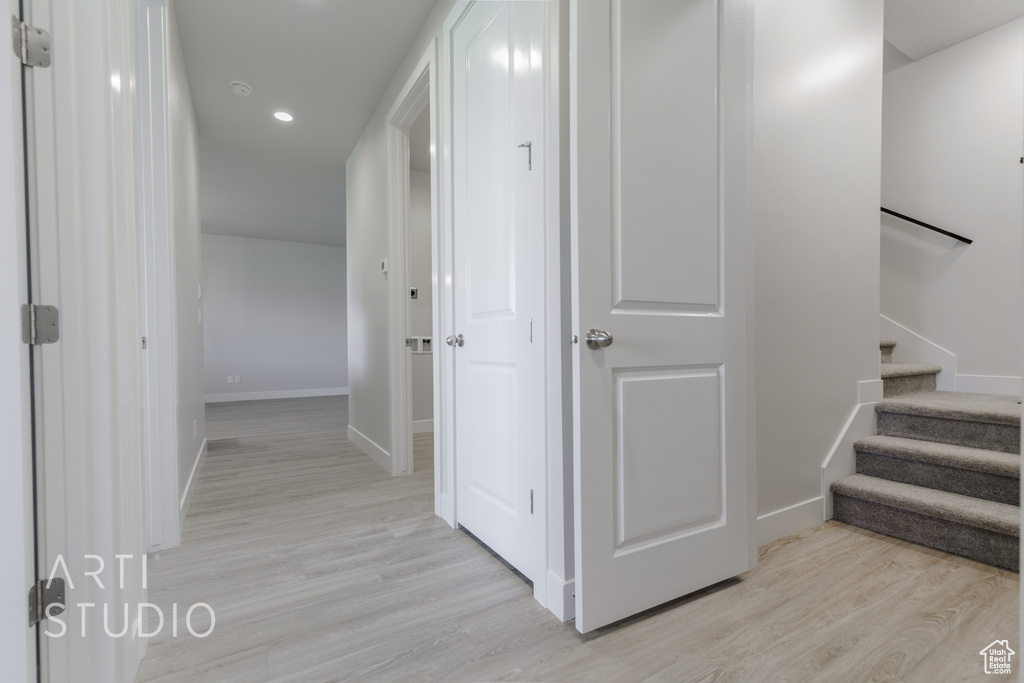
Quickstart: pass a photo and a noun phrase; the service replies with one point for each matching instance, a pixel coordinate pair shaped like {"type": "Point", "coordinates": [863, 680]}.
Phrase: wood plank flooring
{"type": "Point", "coordinates": [321, 567]}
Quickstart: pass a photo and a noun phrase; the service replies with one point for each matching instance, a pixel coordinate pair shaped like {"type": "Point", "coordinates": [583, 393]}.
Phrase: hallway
{"type": "Point", "coordinates": [321, 567]}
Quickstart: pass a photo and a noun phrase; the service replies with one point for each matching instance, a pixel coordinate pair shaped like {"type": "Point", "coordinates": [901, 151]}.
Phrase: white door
{"type": "Point", "coordinates": [498, 278]}
{"type": "Point", "coordinates": [660, 233]}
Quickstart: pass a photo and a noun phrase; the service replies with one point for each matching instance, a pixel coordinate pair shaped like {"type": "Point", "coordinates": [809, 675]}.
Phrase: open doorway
{"type": "Point", "coordinates": [421, 290]}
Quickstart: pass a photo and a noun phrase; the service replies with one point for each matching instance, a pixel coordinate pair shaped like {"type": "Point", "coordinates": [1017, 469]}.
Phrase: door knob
{"type": "Point", "coordinates": [598, 339]}
{"type": "Point", "coordinates": [454, 340]}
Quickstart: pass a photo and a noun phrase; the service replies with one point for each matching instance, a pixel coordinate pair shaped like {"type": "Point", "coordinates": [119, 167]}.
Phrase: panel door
{"type": "Point", "coordinates": [498, 269]}
{"type": "Point", "coordinates": [659, 241]}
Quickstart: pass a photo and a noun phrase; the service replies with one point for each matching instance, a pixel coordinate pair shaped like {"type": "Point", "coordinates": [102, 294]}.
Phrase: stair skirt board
{"type": "Point", "coordinates": [971, 483]}
{"type": "Point", "coordinates": [982, 545]}
{"type": "Point", "coordinates": [994, 437]}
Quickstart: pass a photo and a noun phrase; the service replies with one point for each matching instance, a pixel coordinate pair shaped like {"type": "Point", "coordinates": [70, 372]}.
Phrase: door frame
{"type": "Point", "coordinates": [555, 497]}
{"type": "Point", "coordinates": [158, 368]}
{"type": "Point", "coordinates": [81, 201]}
{"type": "Point", "coordinates": [419, 93]}
{"type": "Point", "coordinates": [18, 646]}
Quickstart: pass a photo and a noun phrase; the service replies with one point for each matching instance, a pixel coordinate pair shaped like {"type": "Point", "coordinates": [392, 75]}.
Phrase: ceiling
{"type": "Point", "coordinates": [919, 28]}
{"type": "Point", "coordinates": [326, 62]}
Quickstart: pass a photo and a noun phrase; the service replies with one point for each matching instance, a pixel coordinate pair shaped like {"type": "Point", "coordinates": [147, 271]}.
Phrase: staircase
{"type": "Point", "coordinates": [944, 470]}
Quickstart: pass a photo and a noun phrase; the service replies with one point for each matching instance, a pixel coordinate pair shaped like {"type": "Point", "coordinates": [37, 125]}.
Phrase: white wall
{"type": "Point", "coordinates": [17, 650]}
{"type": "Point", "coordinates": [366, 205]}
{"type": "Point", "coordinates": [817, 128]}
{"type": "Point", "coordinates": [420, 309]}
{"type": "Point", "coordinates": [274, 314]}
{"type": "Point", "coordinates": [187, 263]}
{"type": "Point", "coordinates": [952, 129]}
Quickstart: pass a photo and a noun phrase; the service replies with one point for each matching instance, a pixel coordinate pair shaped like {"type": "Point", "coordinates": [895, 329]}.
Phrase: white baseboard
{"type": "Point", "coordinates": [788, 521]}
{"type": "Point", "coordinates": [265, 395]}
{"type": "Point", "coordinates": [561, 597]}
{"type": "Point", "coordinates": [190, 486]}
{"type": "Point", "coordinates": [422, 426]}
{"type": "Point", "coordinates": [989, 384]}
{"type": "Point", "coordinates": [368, 446]}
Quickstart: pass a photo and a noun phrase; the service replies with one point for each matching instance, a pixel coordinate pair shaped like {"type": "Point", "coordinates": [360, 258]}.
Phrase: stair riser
{"type": "Point", "coordinates": [886, 354]}
{"type": "Point", "coordinates": [911, 384]}
{"type": "Point", "coordinates": [982, 545]}
{"type": "Point", "coordinates": [965, 482]}
{"type": "Point", "coordinates": [994, 437]}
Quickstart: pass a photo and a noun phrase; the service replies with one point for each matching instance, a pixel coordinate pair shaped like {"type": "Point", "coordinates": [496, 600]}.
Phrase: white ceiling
{"type": "Point", "coordinates": [922, 27]}
{"type": "Point", "coordinates": [328, 63]}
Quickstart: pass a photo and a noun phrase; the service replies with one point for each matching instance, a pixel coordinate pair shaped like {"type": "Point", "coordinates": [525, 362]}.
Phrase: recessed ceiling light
{"type": "Point", "coordinates": [283, 116]}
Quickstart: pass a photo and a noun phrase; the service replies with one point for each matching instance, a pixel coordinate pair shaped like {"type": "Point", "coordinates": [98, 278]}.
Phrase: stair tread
{"type": "Point", "coordinates": [887, 343]}
{"type": "Point", "coordinates": [956, 405]}
{"type": "Point", "coordinates": [952, 507]}
{"type": "Point", "coordinates": [944, 454]}
{"type": "Point", "coordinates": [890, 369]}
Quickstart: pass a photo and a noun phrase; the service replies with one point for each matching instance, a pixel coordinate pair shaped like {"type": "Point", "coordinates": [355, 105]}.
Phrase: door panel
{"type": "Point", "coordinates": [668, 454]}
{"type": "Point", "coordinates": [498, 269]}
{"type": "Point", "coordinates": [665, 223]}
{"type": "Point", "coordinates": [661, 454]}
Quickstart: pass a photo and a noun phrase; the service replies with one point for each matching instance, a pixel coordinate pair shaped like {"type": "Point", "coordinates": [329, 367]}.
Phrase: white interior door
{"type": "Point", "coordinates": [498, 278]}
{"type": "Point", "coordinates": [659, 242]}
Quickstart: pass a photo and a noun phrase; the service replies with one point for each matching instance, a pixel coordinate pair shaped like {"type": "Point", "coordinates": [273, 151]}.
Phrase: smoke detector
{"type": "Point", "coordinates": [241, 88]}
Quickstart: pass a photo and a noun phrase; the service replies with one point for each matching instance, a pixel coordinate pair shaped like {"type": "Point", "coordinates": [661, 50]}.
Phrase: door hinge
{"type": "Point", "coordinates": [531, 501]}
{"type": "Point", "coordinates": [45, 599]}
{"type": "Point", "coordinates": [40, 324]}
{"type": "Point", "coordinates": [31, 44]}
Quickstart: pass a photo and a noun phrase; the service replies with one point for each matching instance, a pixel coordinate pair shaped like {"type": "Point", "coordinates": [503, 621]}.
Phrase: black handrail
{"type": "Point", "coordinates": [926, 225]}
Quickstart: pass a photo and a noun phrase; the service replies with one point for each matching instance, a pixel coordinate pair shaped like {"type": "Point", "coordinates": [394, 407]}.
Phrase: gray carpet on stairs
{"type": "Point", "coordinates": [944, 470]}
{"type": "Point", "coordinates": [989, 421]}
{"type": "Point", "coordinates": [988, 475]}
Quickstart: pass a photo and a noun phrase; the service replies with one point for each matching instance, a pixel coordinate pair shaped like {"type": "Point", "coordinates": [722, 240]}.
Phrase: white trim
{"type": "Point", "coordinates": [418, 93]}
{"type": "Point", "coordinates": [158, 371]}
{"type": "Point", "coordinates": [788, 521]}
{"type": "Point", "coordinates": [564, 608]}
{"type": "Point", "coordinates": [870, 391]}
{"type": "Point", "coordinates": [422, 426]}
{"type": "Point", "coordinates": [842, 459]}
{"type": "Point", "coordinates": [284, 393]}
{"type": "Point", "coordinates": [913, 348]}
{"type": "Point", "coordinates": [559, 560]}
{"type": "Point", "coordinates": [989, 384]}
{"type": "Point", "coordinates": [370, 447]}
{"type": "Point", "coordinates": [17, 643]}
{"type": "Point", "coordinates": [190, 485]}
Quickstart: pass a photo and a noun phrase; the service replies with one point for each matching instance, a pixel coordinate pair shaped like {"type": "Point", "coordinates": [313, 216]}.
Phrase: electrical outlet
{"type": "Point", "coordinates": [238, 379]}
{"type": "Point", "coordinates": [231, 380]}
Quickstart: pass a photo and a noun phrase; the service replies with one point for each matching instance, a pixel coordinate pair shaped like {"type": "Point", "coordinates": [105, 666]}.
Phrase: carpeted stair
{"type": "Point", "coordinates": [944, 470]}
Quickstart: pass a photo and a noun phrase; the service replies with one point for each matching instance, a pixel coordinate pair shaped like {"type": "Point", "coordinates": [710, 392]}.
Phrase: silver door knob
{"type": "Point", "coordinates": [454, 340]}
{"type": "Point", "coordinates": [598, 339]}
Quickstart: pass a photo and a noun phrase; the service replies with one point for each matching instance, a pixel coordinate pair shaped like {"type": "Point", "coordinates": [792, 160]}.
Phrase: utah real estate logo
{"type": "Point", "coordinates": [997, 657]}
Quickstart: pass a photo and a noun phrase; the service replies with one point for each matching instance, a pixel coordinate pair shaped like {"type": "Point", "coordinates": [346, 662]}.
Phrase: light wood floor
{"type": "Point", "coordinates": [322, 568]}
